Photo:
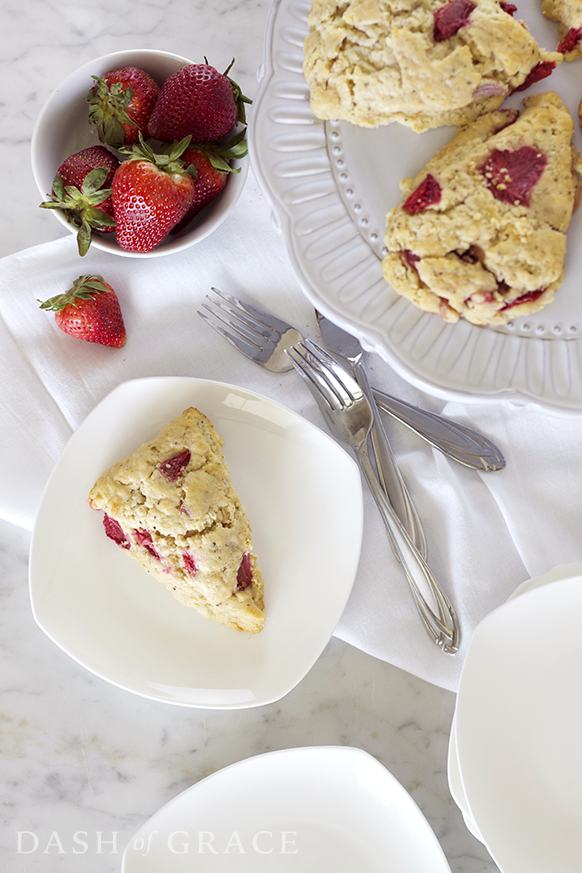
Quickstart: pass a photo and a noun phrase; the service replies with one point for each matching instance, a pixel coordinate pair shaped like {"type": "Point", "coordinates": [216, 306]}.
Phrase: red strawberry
{"type": "Point", "coordinates": [81, 188]}
{"type": "Point", "coordinates": [120, 105]}
{"type": "Point", "coordinates": [89, 311]}
{"type": "Point", "coordinates": [151, 193]}
{"type": "Point", "coordinates": [211, 163]}
{"type": "Point", "coordinates": [197, 101]}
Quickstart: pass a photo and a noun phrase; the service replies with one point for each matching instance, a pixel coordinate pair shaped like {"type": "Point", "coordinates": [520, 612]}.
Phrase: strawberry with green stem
{"type": "Point", "coordinates": [200, 102]}
{"type": "Point", "coordinates": [81, 189]}
{"type": "Point", "coordinates": [151, 193]}
{"type": "Point", "coordinates": [212, 162]}
{"type": "Point", "coordinates": [120, 104]}
{"type": "Point", "coordinates": [90, 311]}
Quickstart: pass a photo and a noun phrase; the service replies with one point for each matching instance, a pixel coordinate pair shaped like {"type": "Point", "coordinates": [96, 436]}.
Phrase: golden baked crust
{"type": "Point", "coordinates": [481, 230]}
{"type": "Point", "coordinates": [171, 504]}
{"type": "Point", "coordinates": [568, 14]}
{"type": "Point", "coordinates": [372, 62]}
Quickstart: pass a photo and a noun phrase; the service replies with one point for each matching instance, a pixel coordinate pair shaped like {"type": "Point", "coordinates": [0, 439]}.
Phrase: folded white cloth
{"type": "Point", "coordinates": [486, 533]}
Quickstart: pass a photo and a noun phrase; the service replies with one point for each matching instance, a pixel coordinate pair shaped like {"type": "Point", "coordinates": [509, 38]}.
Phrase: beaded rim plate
{"type": "Point", "coordinates": [331, 184]}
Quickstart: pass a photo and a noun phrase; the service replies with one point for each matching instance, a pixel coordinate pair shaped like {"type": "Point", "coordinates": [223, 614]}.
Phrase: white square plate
{"type": "Point", "coordinates": [311, 810]}
{"type": "Point", "coordinates": [303, 494]}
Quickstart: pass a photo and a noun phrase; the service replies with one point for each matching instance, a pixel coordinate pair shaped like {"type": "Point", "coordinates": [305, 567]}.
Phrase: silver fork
{"type": "Point", "coordinates": [263, 338]}
{"type": "Point", "coordinates": [349, 417]}
{"type": "Point", "coordinates": [265, 341]}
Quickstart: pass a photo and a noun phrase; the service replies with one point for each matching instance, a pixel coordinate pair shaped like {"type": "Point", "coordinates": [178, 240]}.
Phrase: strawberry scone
{"type": "Point", "coordinates": [173, 507]}
{"type": "Point", "coordinates": [423, 64]}
{"type": "Point", "coordinates": [481, 230]}
{"type": "Point", "coordinates": [568, 15]}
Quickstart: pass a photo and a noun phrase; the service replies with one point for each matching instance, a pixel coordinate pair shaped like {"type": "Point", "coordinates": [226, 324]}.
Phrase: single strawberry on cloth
{"type": "Point", "coordinates": [486, 533]}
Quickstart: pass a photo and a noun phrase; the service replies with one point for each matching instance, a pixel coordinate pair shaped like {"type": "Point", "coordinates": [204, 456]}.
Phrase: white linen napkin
{"type": "Point", "coordinates": [486, 533]}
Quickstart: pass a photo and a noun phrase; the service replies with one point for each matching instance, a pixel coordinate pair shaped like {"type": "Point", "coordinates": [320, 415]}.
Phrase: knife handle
{"type": "Point", "coordinates": [458, 441]}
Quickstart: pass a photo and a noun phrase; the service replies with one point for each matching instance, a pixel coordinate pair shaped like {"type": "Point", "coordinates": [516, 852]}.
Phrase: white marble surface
{"type": "Point", "coordinates": [79, 756]}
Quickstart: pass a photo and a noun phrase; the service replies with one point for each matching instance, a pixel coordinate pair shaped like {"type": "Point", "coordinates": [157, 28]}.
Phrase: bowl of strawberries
{"type": "Point", "coordinates": [141, 153]}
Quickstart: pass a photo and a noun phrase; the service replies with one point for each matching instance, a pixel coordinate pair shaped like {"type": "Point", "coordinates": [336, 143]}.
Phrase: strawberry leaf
{"type": "Point", "coordinates": [239, 97]}
{"type": "Point", "coordinates": [83, 288]}
{"type": "Point", "coordinates": [84, 238]}
{"type": "Point", "coordinates": [167, 157]}
{"type": "Point", "coordinates": [58, 186]}
{"type": "Point", "coordinates": [93, 183]}
{"type": "Point", "coordinates": [107, 110]}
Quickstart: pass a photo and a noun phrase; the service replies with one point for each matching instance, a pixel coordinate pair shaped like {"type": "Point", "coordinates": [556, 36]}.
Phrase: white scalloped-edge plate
{"type": "Point", "coordinates": [303, 494]}
{"type": "Point", "coordinates": [311, 810]}
{"type": "Point", "coordinates": [331, 186]}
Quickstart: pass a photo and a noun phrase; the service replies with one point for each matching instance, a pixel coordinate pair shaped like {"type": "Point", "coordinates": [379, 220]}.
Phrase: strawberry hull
{"type": "Point", "coordinates": [120, 105]}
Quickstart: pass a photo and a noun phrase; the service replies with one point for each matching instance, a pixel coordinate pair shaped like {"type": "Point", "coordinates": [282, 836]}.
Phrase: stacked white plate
{"type": "Point", "coordinates": [515, 753]}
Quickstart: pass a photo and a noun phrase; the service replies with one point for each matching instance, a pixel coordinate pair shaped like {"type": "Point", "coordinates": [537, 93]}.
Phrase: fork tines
{"type": "Point", "coordinates": [240, 323]}
{"type": "Point", "coordinates": [323, 371]}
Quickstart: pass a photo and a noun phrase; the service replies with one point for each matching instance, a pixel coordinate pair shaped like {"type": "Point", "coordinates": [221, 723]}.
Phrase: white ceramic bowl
{"type": "Point", "coordinates": [62, 128]}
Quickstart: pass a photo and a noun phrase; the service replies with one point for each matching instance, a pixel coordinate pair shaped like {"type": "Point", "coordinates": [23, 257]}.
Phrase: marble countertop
{"type": "Point", "coordinates": [84, 764]}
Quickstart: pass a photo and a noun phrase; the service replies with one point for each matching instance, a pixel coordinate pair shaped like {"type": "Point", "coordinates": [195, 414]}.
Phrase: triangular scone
{"type": "Point", "coordinates": [481, 231]}
{"type": "Point", "coordinates": [172, 506]}
{"type": "Point", "coordinates": [568, 14]}
{"type": "Point", "coordinates": [423, 64]}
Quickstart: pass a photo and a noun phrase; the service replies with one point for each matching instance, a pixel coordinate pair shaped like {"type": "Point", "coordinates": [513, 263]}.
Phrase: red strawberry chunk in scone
{"type": "Point", "coordinates": [571, 40]}
{"type": "Point", "coordinates": [172, 467]}
{"type": "Point", "coordinates": [115, 532]}
{"type": "Point", "coordinates": [244, 576]}
{"type": "Point", "coordinates": [539, 72]}
{"type": "Point", "coordinates": [451, 18]}
{"type": "Point", "coordinates": [528, 297]}
{"type": "Point", "coordinates": [511, 175]}
{"type": "Point", "coordinates": [190, 563]}
{"type": "Point", "coordinates": [144, 538]}
{"type": "Point", "coordinates": [428, 193]}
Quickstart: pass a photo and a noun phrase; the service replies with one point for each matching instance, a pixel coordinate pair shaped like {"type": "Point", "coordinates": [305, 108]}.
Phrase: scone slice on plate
{"type": "Point", "coordinates": [481, 231]}
{"type": "Point", "coordinates": [423, 64]}
{"type": "Point", "coordinates": [172, 506]}
{"type": "Point", "coordinates": [568, 15]}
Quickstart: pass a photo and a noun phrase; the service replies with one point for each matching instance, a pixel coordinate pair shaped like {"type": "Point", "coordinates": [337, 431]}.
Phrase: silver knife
{"type": "Point", "coordinates": [346, 346]}
{"type": "Point", "coordinates": [458, 441]}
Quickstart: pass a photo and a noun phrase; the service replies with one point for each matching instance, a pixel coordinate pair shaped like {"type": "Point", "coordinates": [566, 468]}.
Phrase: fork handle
{"type": "Point", "coordinates": [440, 620]}
{"type": "Point", "coordinates": [388, 471]}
